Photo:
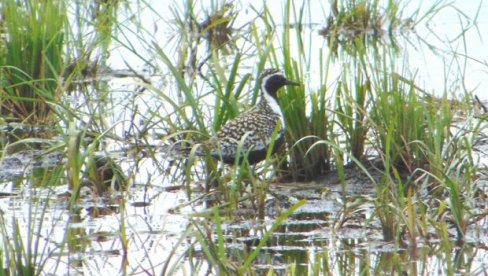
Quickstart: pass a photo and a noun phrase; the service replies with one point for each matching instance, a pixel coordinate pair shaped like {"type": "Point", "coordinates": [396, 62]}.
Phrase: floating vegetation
{"type": "Point", "coordinates": [364, 22]}
{"type": "Point", "coordinates": [216, 29]}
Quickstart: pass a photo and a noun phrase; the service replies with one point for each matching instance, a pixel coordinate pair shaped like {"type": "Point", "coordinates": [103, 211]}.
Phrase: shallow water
{"type": "Point", "coordinates": [317, 237]}
{"type": "Point", "coordinates": [153, 226]}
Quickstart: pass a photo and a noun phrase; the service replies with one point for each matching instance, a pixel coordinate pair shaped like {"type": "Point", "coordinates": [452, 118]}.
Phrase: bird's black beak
{"type": "Point", "coordinates": [288, 82]}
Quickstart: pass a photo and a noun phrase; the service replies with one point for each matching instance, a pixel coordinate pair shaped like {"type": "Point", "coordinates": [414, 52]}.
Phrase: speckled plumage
{"type": "Point", "coordinates": [257, 125]}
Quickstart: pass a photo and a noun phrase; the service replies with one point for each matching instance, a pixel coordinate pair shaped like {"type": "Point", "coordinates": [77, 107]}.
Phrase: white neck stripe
{"type": "Point", "coordinates": [273, 103]}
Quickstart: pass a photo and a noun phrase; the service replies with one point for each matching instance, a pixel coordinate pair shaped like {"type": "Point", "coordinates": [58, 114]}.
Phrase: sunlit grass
{"type": "Point", "coordinates": [361, 112]}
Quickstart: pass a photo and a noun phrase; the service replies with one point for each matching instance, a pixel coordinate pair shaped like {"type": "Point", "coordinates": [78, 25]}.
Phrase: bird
{"type": "Point", "coordinates": [251, 133]}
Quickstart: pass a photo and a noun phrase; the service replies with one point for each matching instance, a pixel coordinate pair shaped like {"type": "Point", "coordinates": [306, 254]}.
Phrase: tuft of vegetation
{"type": "Point", "coordinates": [365, 22]}
{"type": "Point", "coordinates": [32, 58]}
{"type": "Point", "coordinates": [389, 159]}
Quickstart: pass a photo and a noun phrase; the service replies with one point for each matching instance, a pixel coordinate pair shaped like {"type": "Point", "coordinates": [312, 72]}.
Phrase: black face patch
{"type": "Point", "coordinates": [274, 83]}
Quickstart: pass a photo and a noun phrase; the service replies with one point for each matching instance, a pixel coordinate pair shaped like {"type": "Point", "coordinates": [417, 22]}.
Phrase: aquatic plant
{"type": "Point", "coordinates": [32, 59]}
{"type": "Point", "coordinates": [390, 160]}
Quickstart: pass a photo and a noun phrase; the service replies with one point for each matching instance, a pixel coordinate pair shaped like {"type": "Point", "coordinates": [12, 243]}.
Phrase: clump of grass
{"type": "Point", "coordinates": [212, 242]}
{"type": "Point", "coordinates": [31, 59]}
{"type": "Point", "coordinates": [20, 259]}
{"type": "Point", "coordinates": [411, 131]}
{"type": "Point", "coordinates": [352, 98]}
{"type": "Point", "coordinates": [411, 136]}
{"type": "Point", "coordinates": [303, 131]}
{"type": "Point", "coordinates": [87, 168]}
{"type": "Point", "coordinates": [103, 174]}
{"type": "Point", "coordinates": [421, 152]}
{"type": "Point", "coordinates": [304, 126]}
{"type": "Point", "coordinates": [217, 28]}
{"type": "Point", "coordinates": [460, 176]}
{"type": "Point", "coordinates": [363, 21]}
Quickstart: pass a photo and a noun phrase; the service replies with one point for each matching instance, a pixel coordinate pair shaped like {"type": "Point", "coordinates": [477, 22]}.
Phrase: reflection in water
{"type": "Point", "coordinates": [77, 241]}
{"type": "Point", "coordinates": [142, 231]}
{"type": "Point", "coordinates": [295, 252]}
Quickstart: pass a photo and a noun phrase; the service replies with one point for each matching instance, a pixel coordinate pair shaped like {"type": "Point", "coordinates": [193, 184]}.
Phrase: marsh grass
{"type": "Point", "coordinates": [429, 170]}
{"type": "Point", "coordinates": [421, 151]}
{"type": "Point", "coordinates": [222, 259]}
{"type": "Point", "coordinates": [42, 55]}
{"type": "Point", "coordinates": [33, 62]}
{"type": "Point", "coordinates": [412, 132]}
{"type": "Point", "coordinates": [376, 104]}
{"type": "Point", "coordinates": [351, 112]}
{"type": "Point", "coordinates": [350, 23]}
{"type": "Point", "coordinates": [417, 129]}
{"type": "Point", "coordinates": [32, 59]}
{"type": "Point", "coordinates": [300, 121]}
{"type": "Point", "coordinates": [25, 249]}
{"type": "Point", "coordinates": [414, 135]}
{"type": "Point", "coordinates": [232, 93]}
{"type": "Point", "coordinates": [19, 256]}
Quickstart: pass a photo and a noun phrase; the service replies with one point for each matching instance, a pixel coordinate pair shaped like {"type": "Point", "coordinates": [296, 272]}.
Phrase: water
{"type": "Point", "coordinates": [143, 230]}
{"type": "Point", "coordinates": [429, 65]}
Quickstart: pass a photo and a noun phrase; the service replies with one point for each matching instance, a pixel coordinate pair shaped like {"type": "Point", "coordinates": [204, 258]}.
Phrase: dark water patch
{"type": "Point", "coordinates": [35, 165]}
{"type": "Point", "coordinates": [140, 204]}
{"type": "Point", "coordinates": [25, 161]}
